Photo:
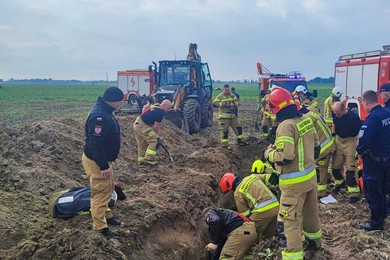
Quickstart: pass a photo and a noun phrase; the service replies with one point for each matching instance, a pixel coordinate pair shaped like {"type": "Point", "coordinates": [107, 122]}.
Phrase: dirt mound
{"type": "Point", "coordinates": [161, 214]}
{"type": "Point", "coordinates": [161, 217]}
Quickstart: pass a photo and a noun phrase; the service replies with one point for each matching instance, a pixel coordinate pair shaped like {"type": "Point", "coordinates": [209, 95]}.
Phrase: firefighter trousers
{"type": "Point", "coordinates": [101, 192]}
{"type": "Point", "coordinates": [146, 139]}
{"type": "Point", "coordinates": [299, 211]}
{"type": "Point", "coordinates": [345, 153]}
{"type": "Point", "coordinates": [239, 241]}
{"type": "Point", "coordinates": [265, 222]}
{"type": "Point", "coordinates": [234, 123]}
{"type": "Point", "coordinates": [322, 174]}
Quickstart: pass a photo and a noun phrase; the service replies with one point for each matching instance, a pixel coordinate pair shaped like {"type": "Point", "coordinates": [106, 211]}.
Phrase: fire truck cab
{"type": "Point", "coordinates": [288, 81]}
{"type": "Point", "coordinates": [359, 72]}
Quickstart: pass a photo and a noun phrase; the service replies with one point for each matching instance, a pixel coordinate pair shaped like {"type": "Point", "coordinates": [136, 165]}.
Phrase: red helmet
{"type": "Point", "coordinates": [226, 183]}
{"type": "Point", "coordinates": [279, 98]}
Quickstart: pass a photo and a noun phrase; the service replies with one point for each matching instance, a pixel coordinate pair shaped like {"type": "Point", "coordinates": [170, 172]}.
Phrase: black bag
{"type": "Point", "coordinates": [74, 201]}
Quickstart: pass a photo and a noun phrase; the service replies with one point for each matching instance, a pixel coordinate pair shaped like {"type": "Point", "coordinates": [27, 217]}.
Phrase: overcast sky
{"type": "Point", "coordinates": [84, 39]}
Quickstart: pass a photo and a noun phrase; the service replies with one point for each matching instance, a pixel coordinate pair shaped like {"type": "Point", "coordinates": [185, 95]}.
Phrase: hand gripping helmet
{"type": "Point", "coordinates": [301, 89]}
{"type": "Point", "coordinates": [279, 98]}
{"type": "Point", "coordinates": [336, 92]}
{"type": "Point", "coordinates": [257, 167]}
{"type": "Point", "coordinates": [226, 182]}
{"type": "Point", "coordinates": [298, 104]}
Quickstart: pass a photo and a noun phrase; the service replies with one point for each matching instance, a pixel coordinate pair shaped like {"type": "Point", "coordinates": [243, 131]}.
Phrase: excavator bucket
{"type": "Point", "coordinates": [177, 118]}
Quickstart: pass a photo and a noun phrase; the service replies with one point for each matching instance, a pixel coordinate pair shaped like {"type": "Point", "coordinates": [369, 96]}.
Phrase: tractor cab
{"type": "Point", "coordinates": [188, 85]}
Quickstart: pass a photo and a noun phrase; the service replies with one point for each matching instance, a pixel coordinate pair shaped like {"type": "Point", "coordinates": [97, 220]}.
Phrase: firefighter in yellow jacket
{"type": "Point", "coordinates": [306, 98]}
{"type": "Point", "coordinates": [254, 200]}
{"type": "Point", "coordinates": [294, 152]}
{"type": "Point", "coordinates": [268, 118]}
{"type": "Point", "coordinates": [227, 104]}
{"type": "Point", "coordinates": [334, 96]}
{"type": "Point", "coordinates": [146, 131]}
{"type": "Point", "coordinates": [327, 145]}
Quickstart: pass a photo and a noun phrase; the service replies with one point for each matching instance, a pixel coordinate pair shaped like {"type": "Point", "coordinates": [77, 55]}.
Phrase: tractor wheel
{"type": "Point", "coordinates": [207, 113]}
{"type": "Point", "coordinates": [192, 115]}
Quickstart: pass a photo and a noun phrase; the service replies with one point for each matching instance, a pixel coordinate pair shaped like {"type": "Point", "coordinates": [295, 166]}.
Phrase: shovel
{"type": "Point", "coordinates": [166, 150]}
{"type": "Point", "coordinates": [257, 128]}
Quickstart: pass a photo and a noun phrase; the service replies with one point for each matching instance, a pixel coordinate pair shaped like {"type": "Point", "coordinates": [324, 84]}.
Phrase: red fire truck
{"type": "Point", "coordinates": [135, 83]}
{"type": "Point", "coordinates": [359, 72]}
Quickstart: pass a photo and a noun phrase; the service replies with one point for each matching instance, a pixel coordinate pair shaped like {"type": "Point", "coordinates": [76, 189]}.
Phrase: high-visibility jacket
{"type": "Point", "coordinates": [226, 111]}
{"type": "Point", "coordinates": [324, 134]}
{"type": "Point", "coordinates": [328, 106]}
{"type": "Point", "coordinates": [252, 195]}
{"type": "Point", "coordinates": [293, 153]}
{"type": "Point", "coordinates": [310, 101]}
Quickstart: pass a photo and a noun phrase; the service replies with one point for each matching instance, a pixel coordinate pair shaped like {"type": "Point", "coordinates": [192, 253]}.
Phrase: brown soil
{"type": "Point", "coordinates": [162, 213]}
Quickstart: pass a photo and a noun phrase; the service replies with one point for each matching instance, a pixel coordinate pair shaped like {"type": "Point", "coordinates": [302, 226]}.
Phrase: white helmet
{"type": "Point", "coordinates": [272, 86]}
{"type": "Point", "coordinates": [301, 89]}
{"type": "Point", "coordinates": [336, 91]}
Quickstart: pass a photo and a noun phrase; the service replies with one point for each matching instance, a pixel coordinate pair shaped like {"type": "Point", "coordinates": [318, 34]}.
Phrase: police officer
{"type": "Point", "coordinates": [294, 152]}
{"type": "Point", "coordinates": [374, 147]}
{"type": "Point", "coordinates": [227, 104]}
{"type": "Point", "coordinates": [346, 128]}
{"type": "Point", "coordinates": [385, 94]}
{"type": "Point", "coordinates": [101, 148]}
{"type": "Point", "coordinates": [146, 128]}
{"type": "Point", "coordinates": [232, 234]}
{"type": "Point", "coordinates": [254, 200]}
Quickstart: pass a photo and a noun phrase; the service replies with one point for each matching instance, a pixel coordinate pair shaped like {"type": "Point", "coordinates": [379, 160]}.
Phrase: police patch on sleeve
{"type": "Point", "coordinates": [98, 130]}
{"type": "Point", "coordinates": [361, 133]}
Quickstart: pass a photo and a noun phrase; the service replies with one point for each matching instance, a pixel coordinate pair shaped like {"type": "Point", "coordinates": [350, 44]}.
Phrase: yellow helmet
{"type": "Point", "coordinates": [257, 167]}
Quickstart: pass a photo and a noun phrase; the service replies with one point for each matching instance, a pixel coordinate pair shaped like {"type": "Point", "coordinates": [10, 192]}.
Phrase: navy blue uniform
{"type": "Point", "coordinates": [152, 114]}
{"type": "Point", "coordinates": [102, 135]}
{"type": "Point", "coordinates": [221, 222]}
{"type": "Point", "coordinates": [374, 146]}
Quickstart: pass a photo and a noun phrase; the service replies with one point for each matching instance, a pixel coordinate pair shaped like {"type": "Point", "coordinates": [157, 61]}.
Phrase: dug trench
{"type": "Point", "coordinates": [161, 216]}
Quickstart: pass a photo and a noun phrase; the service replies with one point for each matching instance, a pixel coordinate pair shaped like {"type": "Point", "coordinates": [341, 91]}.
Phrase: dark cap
{"type": "Point", "coordinates": [113, 94]}
{"type": "Point", "coordinates": [385, 88]}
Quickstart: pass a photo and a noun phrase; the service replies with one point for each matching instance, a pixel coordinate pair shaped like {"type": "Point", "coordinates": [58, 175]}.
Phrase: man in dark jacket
{"type": "Point", "coordinates": [101, 148]}
{"type": "Point", "coordinates": [374, 147]}
{"type": "Point", "coordinates": [385, 94]}
{"type": "Point", "coordinates": [232, 234]}
{"type": "Point", "coordinates": [346, 128]}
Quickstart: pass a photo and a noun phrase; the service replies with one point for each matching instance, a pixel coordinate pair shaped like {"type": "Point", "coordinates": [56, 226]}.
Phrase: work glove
{"type": "Point", "coordinates": [159, 142]}
{"type": "Point", "coordinates": [273, 179]}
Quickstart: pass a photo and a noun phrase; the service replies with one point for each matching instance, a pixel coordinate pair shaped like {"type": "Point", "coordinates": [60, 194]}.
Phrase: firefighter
{"type": "Point", "coordinates": [146, 128]}
{"type": "Point", "coordinates": [334, 96]}
{"type": "Point", "coordinates": [294, 152]}
{"type": "Point", "coordinates": [269, 119]}
{"type": "Point", "coordinates": [306, 98]}
{"type": "Point", "coordinates": [385, 94]}
{"type": "Point", "coordinates": [254, 200]}
{"type": "Point", "coordinates": [374, 148]}
{"type": "Point", "coordinates": [327, 145]}
{"type": "Point", "coordinates": [346, 128]}
{"type": "Point", "coordinates": [232, 234]}
{"type": "Point", "coordinates": [101, 148]}
{"type": "Point", "coordinates": [228, 103]}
